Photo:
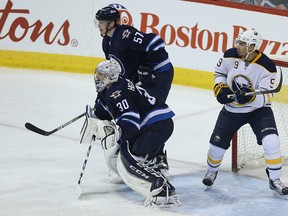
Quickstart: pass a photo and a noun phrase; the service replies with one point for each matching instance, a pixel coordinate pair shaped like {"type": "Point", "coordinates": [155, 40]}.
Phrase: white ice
{"type": "Point", "coordinates": [39, 174]}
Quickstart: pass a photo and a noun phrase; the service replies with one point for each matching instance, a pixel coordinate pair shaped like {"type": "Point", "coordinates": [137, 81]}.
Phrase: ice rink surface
{"type": "Point", "coordinates": [39, 174]}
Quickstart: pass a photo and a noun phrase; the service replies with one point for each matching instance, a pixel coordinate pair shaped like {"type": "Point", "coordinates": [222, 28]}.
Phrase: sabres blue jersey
{"type": "Point", "coordinates": [131, 107]}
{"type": "Point", "coordinates": [132, 48]}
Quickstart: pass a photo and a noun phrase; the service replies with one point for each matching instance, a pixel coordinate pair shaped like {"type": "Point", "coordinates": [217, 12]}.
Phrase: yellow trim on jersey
{"type": "Point", "coordinates": [256, 58]}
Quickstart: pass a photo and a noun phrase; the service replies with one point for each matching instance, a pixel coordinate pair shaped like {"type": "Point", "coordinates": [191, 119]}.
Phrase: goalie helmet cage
{"type": "Point", "coordinates": [245, 150]}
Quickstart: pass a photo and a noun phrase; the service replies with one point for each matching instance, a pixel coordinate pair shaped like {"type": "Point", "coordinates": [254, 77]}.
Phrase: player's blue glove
{"type": "Point", "coordinates": [146, 75]}
{"type": "Point", "coordinates": [242, 98]}
{"type": "Point", "coordinates": [221, 91]}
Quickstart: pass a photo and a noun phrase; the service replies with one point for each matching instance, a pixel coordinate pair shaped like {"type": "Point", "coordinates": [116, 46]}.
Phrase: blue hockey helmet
{"type": "Point", "coordinates": [108, 13]}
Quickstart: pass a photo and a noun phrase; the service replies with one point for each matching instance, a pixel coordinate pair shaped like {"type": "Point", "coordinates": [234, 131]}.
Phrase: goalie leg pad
{"type": "Point", "coordinates": [143, 180]}
{"type": "Point", "coordinates": [140, 185]}
{"type": "Point", "coordinates": [133, 172]}
{"type": "Point", "coordinates": [111, 155]}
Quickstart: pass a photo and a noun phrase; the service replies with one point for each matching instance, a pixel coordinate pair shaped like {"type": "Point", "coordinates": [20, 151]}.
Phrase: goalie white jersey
{"type": "Point", "coordinates": [260, 74]}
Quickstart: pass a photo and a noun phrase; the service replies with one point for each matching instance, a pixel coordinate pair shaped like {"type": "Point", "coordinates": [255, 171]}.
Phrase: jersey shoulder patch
{"type": "Point", "coordinates": [231, 53]}
{"type": "Point", "coordinates": [117, 89]}
{"type": "Point", "coordinates": [267, 63]}
{"type": "Point", "coordinates": [116, 94]}
{"type": "Point", "coordinates": [126, 31]}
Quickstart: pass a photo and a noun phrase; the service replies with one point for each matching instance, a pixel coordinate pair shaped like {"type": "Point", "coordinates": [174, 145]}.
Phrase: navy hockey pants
{"type": "Point", "coordinates": [151, 140]}
{"type": "Point", "coordinates": [261, 121]}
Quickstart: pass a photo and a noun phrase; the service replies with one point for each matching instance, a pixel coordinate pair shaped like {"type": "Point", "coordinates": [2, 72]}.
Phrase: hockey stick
{"type": "Point", "coordinates": [277, 89]}
{"type": "Point", "coordinates": [78, 188]}
{"type": "Point", "coordinates": [35, 129]}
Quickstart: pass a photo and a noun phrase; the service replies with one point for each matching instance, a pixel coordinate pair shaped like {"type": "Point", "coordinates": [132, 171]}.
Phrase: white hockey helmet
{"type": "Point", "coordinates": [250, 37]}
{"type": "Point", "coordinates": [106, 73]}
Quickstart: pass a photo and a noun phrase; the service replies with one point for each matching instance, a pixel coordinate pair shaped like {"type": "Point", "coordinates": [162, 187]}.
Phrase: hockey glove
{"type": "Point", "coordinates": [106, 131]}
{"type": "Point", "coordinates": [89, 127]}
{"type": "Point", "coordinates": [109, 133]}
{"type": "Point", "coordinates": [221, 91]}
{"type": "Point", "coordinates": [146, 76]}
{"type": "Point", "coordinates": [241, 96]}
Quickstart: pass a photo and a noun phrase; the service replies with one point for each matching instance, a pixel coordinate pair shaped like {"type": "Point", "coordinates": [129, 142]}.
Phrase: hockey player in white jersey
{"type": "Point", "coordinates": [241, 70]}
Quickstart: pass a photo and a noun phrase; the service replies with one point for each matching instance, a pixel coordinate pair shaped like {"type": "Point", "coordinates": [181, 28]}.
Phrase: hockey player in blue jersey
{"type": "Point", "coordinates": [246, 69]}
{"type": "Point", "coordinates": [142, 57]}
{"type": "Point", "coordinates": [133, 129]}
{"type": "Point", "coordinates": [136, 51]}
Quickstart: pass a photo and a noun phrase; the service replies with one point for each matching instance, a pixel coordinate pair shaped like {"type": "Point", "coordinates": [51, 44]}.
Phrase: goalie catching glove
{"type": "Point", "coordinates": [221, 91]}
{"type": "Point", "coordinates": [93, 128]}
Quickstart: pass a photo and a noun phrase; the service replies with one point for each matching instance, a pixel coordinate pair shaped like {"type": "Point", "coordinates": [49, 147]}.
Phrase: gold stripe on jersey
{"type": "Point", "coordinates": [257, 57]}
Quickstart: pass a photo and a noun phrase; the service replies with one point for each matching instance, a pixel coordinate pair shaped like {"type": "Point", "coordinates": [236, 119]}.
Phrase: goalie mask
{"type": "Point", "coordinates": [106, 73]}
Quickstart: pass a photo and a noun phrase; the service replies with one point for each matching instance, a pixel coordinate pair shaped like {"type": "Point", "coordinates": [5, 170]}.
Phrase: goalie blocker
{"type": "Point", "coordinates": [105, 131]}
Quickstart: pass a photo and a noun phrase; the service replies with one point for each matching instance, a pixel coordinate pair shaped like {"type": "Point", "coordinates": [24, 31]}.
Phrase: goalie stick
{"type": "Point", "coordinates": [277, 89]}
{"type": "Point", "coordinates": [78, 190]}
{"type": "Point", "coordinates": [35, 129]}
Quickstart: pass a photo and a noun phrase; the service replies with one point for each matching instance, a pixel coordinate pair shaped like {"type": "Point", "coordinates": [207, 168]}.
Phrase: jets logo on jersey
{"type": "Point", "coordinates": [116, 94]}
{"type": "Point", "coordinates": [240, 81]}
{"type": "Point", "coordinates": [126, 34]}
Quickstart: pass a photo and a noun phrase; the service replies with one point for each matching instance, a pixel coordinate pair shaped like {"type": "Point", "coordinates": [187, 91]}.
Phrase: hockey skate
{"type": "Point", "coordinates": [209, 178]}
{"type": "Point", "coordinates": [162, 195]}
{"type": "Point", "coordinates": [279, 190]}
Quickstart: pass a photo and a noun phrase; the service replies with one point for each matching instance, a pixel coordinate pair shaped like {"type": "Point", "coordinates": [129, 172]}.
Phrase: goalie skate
{"type": "Point", "coordinates": [163, 202]}
{"type": "Point", "coordinates": [160, 164]}
{"type": "Point", "coordinates": [167, 198]}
